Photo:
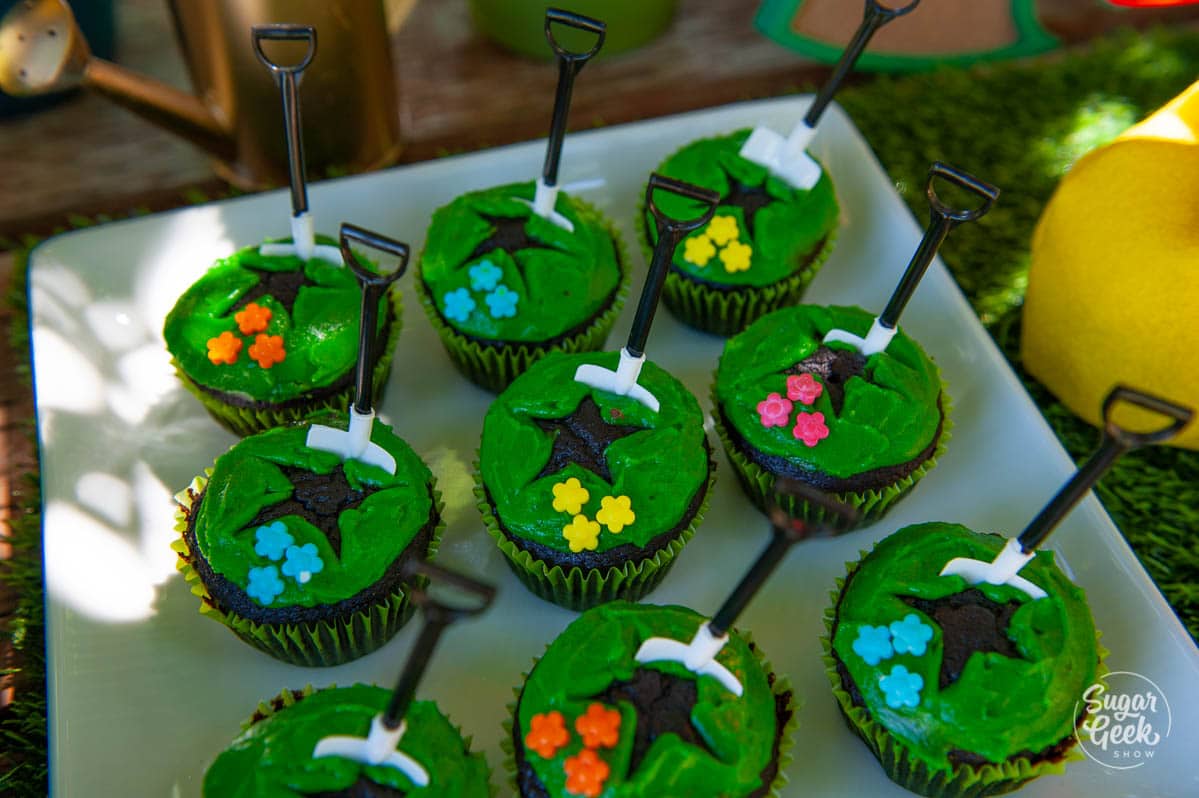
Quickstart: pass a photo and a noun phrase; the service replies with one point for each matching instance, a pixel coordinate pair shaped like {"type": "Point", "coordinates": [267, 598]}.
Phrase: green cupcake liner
{"type": "Point", "coordinates": [494, 366]}
{"type": "Point", "coordinates": [907, 770]}
{"type": "Point", "coordinates": [780, 686]}
{"type": "Point", "coordinates": [246, 421]}
{"type": "Point", "coordinates": [280, 702]}
{"type": "Point", "coordinates": [323, 643]}
{"type": "Point", "coordinates": [576, 589]}
{"type": "Point", "coordinates": [871, 504]}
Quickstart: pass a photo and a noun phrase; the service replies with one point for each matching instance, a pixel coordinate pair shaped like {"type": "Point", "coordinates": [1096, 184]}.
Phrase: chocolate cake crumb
{"type": "Point", "coordinates": [663, 703]}
{"type": "Point", "coordinates": [835, 367]}
{"type": "Point", "coordinates": [508, 235]}
{"type": "Point", "coordinates": [969, 622]}
{"type": "Point", "coordinates": [583, 438]}
{"type": "Point", "coordinates": [283, 286]}
{"type": "Point", "coordinates": [750, 199]}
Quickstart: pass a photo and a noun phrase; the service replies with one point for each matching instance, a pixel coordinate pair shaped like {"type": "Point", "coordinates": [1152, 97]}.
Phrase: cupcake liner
{"type": "Point", "coordinates": [280, 702]}
{"type": "Point", "coordinates": [323, 643]}
{"type": "Point", "coordinates": [494, 366]}
{"type": "Point", "coordinates": [780, 686]}
{"type": "Point", "coordinates": [728, 312]}
{"type": "Point", "coordinates": [246, 421]}
{"type": "Point", "coordinates": [576, 589]}
{"type": "Point", "coordinates": [871, 504]}
{"type": "Point", "coordinates": [909, 771]}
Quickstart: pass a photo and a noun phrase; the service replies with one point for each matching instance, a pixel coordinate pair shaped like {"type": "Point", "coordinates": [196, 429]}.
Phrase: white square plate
{"type": "Point", "coordinates": [144, 692]}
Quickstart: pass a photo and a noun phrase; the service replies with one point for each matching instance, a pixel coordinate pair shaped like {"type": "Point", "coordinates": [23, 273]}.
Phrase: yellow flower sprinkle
{"type": "Point", "coordinates": [698, 250]}
{"type": "Point", "coordinates": [615, 513]}
{"type": "Point", "coordinates": [722, 229]}
{"type": "Point", "coordinates": [735, 257]}
{"type": "Point", "coordinates": [570, 496]}
{"type": "Point", "coordinates": [582, 533]}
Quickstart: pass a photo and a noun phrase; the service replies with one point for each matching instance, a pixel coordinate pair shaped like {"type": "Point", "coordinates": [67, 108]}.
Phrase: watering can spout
{"type": "Point", "coordinates": [42, 50]}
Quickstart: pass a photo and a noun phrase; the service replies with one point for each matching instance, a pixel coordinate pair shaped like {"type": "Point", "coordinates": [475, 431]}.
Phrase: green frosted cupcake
{"type": "Point", "coordinates": [299, 552]}
{"type": "Point", "coordinates": [590, 717]}
{"type": "Point", "coordinates": [503, 287]}
{"type": "Point", "coordinates": [764, 245]}
{"type": "Point", "coordinates": [272, 758]}
{"type": "Point", "coordinates": [863, 429]}
{"type": "Point", "coordinates": [959, 689]}
{"type": "Point", "coordinates": [591, 495]}
{"type": "Point", "coordinates": [263, 341]}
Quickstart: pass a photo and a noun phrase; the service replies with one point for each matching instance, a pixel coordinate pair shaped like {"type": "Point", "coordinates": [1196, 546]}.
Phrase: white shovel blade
{"type": "Point", "coordinates": [786, 158]}
{"type": "Point", "coordinates": [303, 243]}
{"type": "Point", "coordinates": [339, 442]}
{"type": "Point", "coordinates": [605, 380]}
{"type": "Point", "coordinates": [877, 340]}
{"type": "Point", "coordinates": [662, 649]}
{"type": "Point", "coordinates": [377, 749]}
{"type": "Point", "coordinates": [1002, 571]}
{"type": "Point", "coordinates": [543, 205]}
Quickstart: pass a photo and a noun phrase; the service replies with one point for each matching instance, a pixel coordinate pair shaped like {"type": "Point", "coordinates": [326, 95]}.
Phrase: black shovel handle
{"type": "Point", "coordinates": [438, 616]}
{"type": "Point", "coordinates": [670, 233]}
{"type": "Point", "coordinates": [785, 533]}
{"type": "Point", "coordinates": [943, 218]}
{"type": "Point", "coordinates": [874, 17]}
{"type": "Point", "coordinates": [1116, 441]}
{"type": "Point", "coordinates": [373, 286]}
{"type": "Point", "coordinates": [288, 76]}
{"type": "Point", "coordinates": [570, 63]}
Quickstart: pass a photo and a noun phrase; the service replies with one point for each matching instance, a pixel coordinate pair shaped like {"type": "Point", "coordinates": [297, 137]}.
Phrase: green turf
{"type": "Point", "coordinates": [1019, 126]}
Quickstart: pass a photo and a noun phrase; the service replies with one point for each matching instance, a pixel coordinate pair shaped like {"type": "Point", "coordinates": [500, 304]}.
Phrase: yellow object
{"type": "Point", "coordinates": [1113, 290]}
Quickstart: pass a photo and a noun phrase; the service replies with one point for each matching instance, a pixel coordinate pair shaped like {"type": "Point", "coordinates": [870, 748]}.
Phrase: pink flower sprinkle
{"type": "Point", "coordinates": [803, 388]}
{"type": "Point", "coordinates": [810, 428]}
{"type": "Point", "coordinates": [774, 410]}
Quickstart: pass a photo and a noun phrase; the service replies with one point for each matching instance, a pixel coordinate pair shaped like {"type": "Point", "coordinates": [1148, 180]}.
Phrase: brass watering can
{"type": "Point", "coordinates": [353, 124]}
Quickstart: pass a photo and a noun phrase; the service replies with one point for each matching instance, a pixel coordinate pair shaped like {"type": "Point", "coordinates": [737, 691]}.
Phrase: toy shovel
{"type": "Point", "coordinates": [699, 655]}
{"type": "Point", "coordinates": [1116, 441]}
{"type": "Point", "coordinates": [302, 233]}
{"type": "Point", "coordinates": [388, 727]}
{"type": "Point", "coordinates": [943, 220]}
{"type": "Point", "coordinates": [623, 381]}
{"type": "Point", "coordinates": [355, 443]}
{"type": "Point", "coordinates": [570, 63]}
{"type": "Point", "coordinates": [787, 158]}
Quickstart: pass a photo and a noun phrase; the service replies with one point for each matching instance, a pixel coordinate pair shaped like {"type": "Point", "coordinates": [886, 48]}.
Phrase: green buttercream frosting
{"type": "Point", "coordinates": [786, 229]}
{"type": "Point", "coordinates": [561, 281]}
{"type": "Point", "coordinates": [249, 478]}
{"type": "Point", "coordinates": [1000, 706]}
{"type": "Point", "coordinates": [890, 413]}
{"type": "Point", "coordinates": [320, 334]}
{"type": "Point", "coordinates": [597, 650]}
{"type": "Point", "coordinates": [660, 468]}
{"type": "Point", "coordinates": [273, 758]}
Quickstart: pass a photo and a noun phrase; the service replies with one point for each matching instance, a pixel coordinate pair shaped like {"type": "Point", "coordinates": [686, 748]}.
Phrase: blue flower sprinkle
{"type": "Point", "coordinates": [901, 687]}
{"type": "Point", "coordinates": [302, 562]}
{"type": "Point", "coordinates": [272, 540]}
{"type": "Point", "coordinates": [265, 584]}
{"type": "Point", "coordinates": [873, 644]}
{"type": "Point", "coordinates": [485, 275]}
{"type": "Point", "coordinates": [502, 302]}
{"type": "Point", "coordinates": [458, 305]}
{"type": "Point", "coordinates": [911, 635]}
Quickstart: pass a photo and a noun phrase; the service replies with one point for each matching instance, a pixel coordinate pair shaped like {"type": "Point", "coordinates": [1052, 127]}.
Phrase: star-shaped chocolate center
{"type": "Point", "coordinates": [583, 438]}
{"type": "Point", "coordinates": [969, 622]}
{"type": "Point", "coordinates": [750, 199]}
{"type": "Point", "coordinates": [320, 498]}
{"type": "Point", "coordinates": [508, 234]}
{"type": "Point", "coordinates": [283, 286]}
{"type": "Point", "coordinates": [834, 367]}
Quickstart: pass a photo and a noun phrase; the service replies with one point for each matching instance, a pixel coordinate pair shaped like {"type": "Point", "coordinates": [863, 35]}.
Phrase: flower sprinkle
{"type": "Point", "coordinates": [722, 229]}
{"type": "Point", "coordinates": [911, 635]}
{"type": "Point", "coordinates": [267, 350]}
{"type": "Point", "coordinates": [775, 411]}
{"type": "Point", "coordinates": [272, 540]}
{"type": "Point", "coordinates": [253, 318]}
{"type": "Point", "coordinates": [547, 733]}
{"type": "Point", "coordinates": [224, 348]}
{"type": "Point", "coordinates": [459, 305]}
{"type": "Point", "coordinates": [873, 644]}
{"type": "Point", "coordinates": [485, 275]}
{"type": "Point", "coordinates": [698, 250]}
{"type": "Point", "coordinates": [265, 584]}
{"type": "Point", "coordinates": [803, 388]}
{"type": "Point", "coordinates": [582, 533]}
{"type": "Point", "coordinates": [616, 512]}
{"type": "Point", "coordinates": [810, 428]}
{"type": "Point", "coordinates": [736, 256]}
{"type": "Point", "coordinates": [303, 562]}
{"type": "Point", "coordinates": [901, 687]}
{"type": "Point", "coordinates": [570, 496]}
{"type": "Point", "coordinates": [586, 773]}
{"type": "Point", "coordinates": [502, 302]}
{"type": "Point", "coordinates": [599, 726]}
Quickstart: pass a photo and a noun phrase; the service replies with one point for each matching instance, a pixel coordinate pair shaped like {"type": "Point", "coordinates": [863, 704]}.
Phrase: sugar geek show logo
{"type": "Point", "coordinates": [1128, 718]}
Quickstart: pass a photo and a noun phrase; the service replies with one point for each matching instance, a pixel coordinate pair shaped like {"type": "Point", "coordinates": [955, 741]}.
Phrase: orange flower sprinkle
{"type": "Point", "coordinates": [224, 348]}
{"type": "Point", "coordinates": [547, 733]}
{"type": "Point", "coordinates": [586, 773]}
{"type": "Point", "coordinates": [253, 318]}
{"type": "Point", "coordinates": [267, 350]}
{"type": "Point", "coordinates": [599, 726]}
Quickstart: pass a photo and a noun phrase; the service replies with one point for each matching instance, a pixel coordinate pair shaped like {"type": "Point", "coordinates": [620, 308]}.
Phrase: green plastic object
{"type": "Point", "coordinates": [519, 25]}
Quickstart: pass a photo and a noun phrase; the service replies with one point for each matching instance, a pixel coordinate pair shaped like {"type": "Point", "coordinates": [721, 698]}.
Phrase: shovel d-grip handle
{"type": "Point", "coordinates": [874, 17]}
{"type": "Point", "coordinates": [437, 616]}
{"type": "Point", "coordinates": [943, 218]}
{"type": "Point", "coordinates": [557, 16]}
{"type": "Point", "coordinates": [570, 63]}
{"type": "Point", "coordinates": [288, 76]}
{"type": "Point", "coordinates": [373, 286]}
{"type": "Point", "coordinates": [284, 32]}
{"type": "Point", "coordinates": [1116, 441]}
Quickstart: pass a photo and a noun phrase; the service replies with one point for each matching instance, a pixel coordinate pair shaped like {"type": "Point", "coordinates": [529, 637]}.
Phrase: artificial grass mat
{"type": "Point", "coordinates": [1019, 126]}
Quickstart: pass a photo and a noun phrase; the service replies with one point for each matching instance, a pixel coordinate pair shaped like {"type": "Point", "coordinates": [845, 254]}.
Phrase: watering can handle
{"type": "Point", "coordinates": [358, 235]}
{"type": "Point", "coordinates": [578, 22]}
{"type": "Point", "coordinates": [1180, 416]}
{"type": "Point", "coordinates": [969, 182]}
{"type": "Point", "coordinates": [288, 33]}
{"type": "Point", "coordinates": [709, 199]}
